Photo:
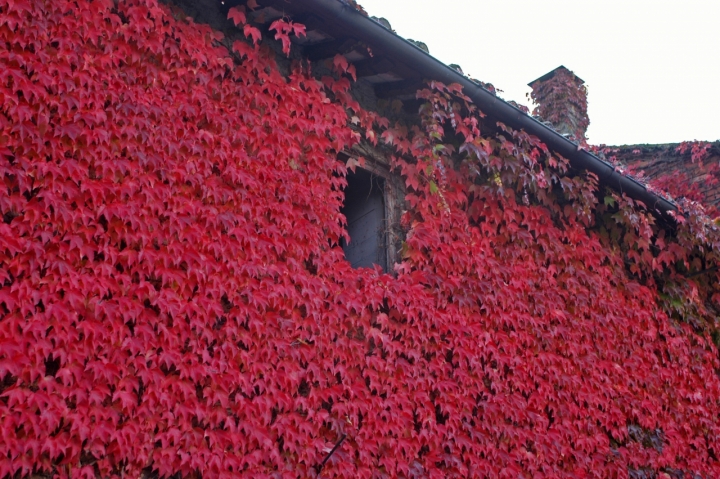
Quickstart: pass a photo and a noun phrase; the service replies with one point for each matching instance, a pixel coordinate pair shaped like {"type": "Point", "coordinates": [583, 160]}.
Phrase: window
{"type": "Point", "coordinates": [364, 209]}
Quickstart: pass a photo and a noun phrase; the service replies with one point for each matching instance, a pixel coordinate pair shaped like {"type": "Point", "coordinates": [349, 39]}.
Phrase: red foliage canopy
{"type": "Point", "coordinates": [173, 299]}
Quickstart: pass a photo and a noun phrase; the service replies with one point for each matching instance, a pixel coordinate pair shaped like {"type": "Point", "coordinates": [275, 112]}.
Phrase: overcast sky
{"type": "Point", "coordinates": [652, 66]}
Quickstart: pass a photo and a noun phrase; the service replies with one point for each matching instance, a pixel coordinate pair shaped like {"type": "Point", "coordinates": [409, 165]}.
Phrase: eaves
{"type": "Point", "coordinates": [395, 60]}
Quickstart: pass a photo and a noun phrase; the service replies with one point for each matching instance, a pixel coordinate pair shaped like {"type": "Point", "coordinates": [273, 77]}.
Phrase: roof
{"type": "Point", "coordinates": [551, 74]}
{"type": "Point", "coordinates": [393, 66]}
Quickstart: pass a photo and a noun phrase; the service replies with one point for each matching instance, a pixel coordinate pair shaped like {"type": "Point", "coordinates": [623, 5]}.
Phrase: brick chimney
{"type": "Point", "coordinates": [561, 99]}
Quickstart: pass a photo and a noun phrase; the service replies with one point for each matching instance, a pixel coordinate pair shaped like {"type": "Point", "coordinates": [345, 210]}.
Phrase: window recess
{"type": "Point", "coordinates": [365, 211]}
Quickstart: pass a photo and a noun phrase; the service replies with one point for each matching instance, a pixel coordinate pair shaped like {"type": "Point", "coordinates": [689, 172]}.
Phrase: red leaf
{"type": "Point", "coordinates": [340, 63]}
{"type": "Point", "coordinates": [252, 32]}
{"type": "Point", "coordinates": [299, 29]}
{"type": "Point", "coordinates": [237, 15]}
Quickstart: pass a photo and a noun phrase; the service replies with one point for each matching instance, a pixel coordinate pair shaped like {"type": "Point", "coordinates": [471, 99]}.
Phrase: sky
{"type": "Point", "coordinates": [652, 67]}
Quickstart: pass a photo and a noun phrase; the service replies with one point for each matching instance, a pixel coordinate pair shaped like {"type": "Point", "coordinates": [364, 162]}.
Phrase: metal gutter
{"type": "Point", "coordinates": [385, 42]}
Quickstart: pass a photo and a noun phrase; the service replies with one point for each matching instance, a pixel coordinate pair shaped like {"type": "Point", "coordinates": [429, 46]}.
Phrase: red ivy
{"type": "Point", "coordinates": [699, 150]}
{"type": "Point", "coordinates": [173, 299]}
{"type": "Point", "coordinates": [681, 183]}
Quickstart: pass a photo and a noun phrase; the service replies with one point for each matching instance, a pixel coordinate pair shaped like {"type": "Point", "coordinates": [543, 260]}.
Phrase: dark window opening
{"type": "Point", "coordinates": [364, 209]}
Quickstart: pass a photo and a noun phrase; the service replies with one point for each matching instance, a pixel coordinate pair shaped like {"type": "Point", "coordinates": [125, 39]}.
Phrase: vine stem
{"type": "Point", "coordinates": [327, 458]}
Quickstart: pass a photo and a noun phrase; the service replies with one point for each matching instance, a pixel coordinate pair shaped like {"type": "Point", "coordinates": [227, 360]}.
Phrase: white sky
{"type": "Point", "coordinates": [652, 67]}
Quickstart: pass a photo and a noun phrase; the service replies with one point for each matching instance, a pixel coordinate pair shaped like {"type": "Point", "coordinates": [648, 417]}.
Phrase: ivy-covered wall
{"type": "Point", "coordinates": [686, 170]}
{"type": "Point", "coordinates": [173, 299]}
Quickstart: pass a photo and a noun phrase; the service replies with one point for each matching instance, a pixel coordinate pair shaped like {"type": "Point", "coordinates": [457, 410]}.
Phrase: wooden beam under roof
{"type": "Point", "coordinates": [329, 49]}
{"type": "Point", "coordinates": [401, 90]}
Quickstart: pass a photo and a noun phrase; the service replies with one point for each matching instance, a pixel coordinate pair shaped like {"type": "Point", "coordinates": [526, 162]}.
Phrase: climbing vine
{"type": "Point", "coordinates": [693, 175]}
{"type": "Point", "coordinates": [173, 299]}
{"type": "Point", "coordinates": [682, 184]}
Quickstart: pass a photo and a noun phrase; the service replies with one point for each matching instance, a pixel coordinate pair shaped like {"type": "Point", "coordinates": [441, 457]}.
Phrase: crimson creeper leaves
{"type": "Point", "coordinates": [283, 30]}
{"type": "Point", "coordinates": [253, 33]}
{"type": "Point", "coordinates": [173, 299]}
{"type": "Point", "coordinates": [237, 15]}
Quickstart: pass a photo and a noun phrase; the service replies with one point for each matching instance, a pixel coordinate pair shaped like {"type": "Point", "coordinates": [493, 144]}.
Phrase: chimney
{"type": "Point", "coordinates": [561, 99]}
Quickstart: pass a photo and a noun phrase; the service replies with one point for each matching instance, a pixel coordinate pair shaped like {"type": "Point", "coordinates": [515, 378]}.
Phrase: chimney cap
{"type": "Point", "coordinates": [551, 74]}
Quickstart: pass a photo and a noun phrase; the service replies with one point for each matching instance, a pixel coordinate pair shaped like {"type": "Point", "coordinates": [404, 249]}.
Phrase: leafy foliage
{"type": "Point", "coordinates": [174, 299]}
{"type": "Point", "coordinates": [681, 185]}
{"type": "Point", "coordinates": [692, 176]}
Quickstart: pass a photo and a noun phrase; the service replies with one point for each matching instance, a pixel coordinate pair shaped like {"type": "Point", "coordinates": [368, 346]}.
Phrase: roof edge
{"type": "Point", "coordinates": [387, 42]}
{"type": "Point", "coordinates": [552, 73]}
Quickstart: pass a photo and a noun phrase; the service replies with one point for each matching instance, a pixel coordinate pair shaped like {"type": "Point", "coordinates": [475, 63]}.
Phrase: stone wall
{"type": "Point", "coordinates": [674, 168]}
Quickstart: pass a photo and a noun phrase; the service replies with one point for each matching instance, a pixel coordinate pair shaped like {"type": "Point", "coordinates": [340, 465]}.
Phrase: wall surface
{"type": "Point", "coordinates": [676, 169]}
